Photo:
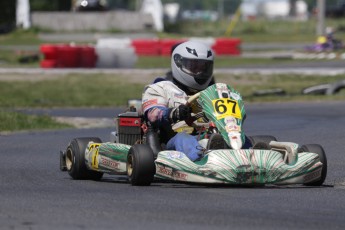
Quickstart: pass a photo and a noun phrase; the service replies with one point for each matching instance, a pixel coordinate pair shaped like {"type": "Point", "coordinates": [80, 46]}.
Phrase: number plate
{"type": "Point", "coordinates": [226, 107]}
{"type": "Point", "coordinates": [94, 162]}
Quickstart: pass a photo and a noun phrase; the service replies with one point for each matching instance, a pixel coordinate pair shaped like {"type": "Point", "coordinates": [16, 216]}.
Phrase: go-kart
{"type": "Point", "coordinates": [230, 157]}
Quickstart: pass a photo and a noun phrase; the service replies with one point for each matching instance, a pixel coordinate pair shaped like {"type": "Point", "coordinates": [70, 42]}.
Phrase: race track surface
{"type": "Point", "coordinates": [34, 194]}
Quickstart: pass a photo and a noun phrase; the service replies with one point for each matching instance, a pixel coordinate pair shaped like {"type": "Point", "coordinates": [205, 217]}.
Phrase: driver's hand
{"type": "Point", "coordinates": [180, 113]}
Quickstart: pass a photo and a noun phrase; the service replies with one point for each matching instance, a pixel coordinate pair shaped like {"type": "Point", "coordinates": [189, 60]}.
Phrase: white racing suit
{"type": "Point", "coordinates": [158, 100]}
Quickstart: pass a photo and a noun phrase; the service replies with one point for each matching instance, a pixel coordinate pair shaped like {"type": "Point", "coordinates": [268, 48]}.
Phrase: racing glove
{"type": "Point", "coordinates": [180, 113]}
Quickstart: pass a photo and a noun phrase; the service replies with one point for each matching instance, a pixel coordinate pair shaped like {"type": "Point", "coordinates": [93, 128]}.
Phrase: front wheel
{"type": "Point", "coordinates": [75, 159]}
{"type": "Point", "coordinates": [315, 148]}
{"type": "Point", "coordinates": [140, 165]}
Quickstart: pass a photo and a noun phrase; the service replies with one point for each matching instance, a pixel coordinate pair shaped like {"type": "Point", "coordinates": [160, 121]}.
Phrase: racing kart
{"type": "Point", "coordinates": [230, 157]}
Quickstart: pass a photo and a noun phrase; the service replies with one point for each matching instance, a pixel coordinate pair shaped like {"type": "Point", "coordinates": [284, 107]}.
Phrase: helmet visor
{"type": "Point", "coordinates": [200, 69]}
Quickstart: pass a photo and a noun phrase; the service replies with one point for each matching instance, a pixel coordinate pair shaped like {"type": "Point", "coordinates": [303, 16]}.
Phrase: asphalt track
{"type": "Point", "coordinates": [34, 194]}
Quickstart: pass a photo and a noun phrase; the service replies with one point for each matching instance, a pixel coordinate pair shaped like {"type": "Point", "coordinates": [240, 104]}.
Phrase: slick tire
{"type": "Point", "coordinates": [315, 148]}
{"type": "Point", "coordinates": [140, 165]}
{"type": "Point", "coordinates": [335, 88]}
{"type": "Point", "coordinates": [75, 159]}
{"type": "Point", "coordinates": [261, 141]}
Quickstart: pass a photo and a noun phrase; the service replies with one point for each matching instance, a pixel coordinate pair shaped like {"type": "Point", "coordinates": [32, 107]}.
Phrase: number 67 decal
{"type": "Point", "coordinates": [226, 107]}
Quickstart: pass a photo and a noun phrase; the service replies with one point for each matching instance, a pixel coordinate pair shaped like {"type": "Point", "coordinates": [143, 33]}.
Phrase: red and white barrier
{"type": "Point", "coordinates": [68, 56]}
{"type": "Point", "coordinates": [122, 52]}
{"type": "Point", "coordinates": [162, 47]}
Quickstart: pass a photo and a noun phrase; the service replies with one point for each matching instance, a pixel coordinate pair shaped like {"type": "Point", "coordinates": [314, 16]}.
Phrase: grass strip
{"type": "Point", "coordinates": [13, 121]}
{"type": "Point", "coordinates": [109, 90]}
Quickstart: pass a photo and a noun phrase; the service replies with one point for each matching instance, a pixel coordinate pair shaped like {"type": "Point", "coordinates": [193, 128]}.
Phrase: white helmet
{"type": "Point", "coordinates": [192, 65]}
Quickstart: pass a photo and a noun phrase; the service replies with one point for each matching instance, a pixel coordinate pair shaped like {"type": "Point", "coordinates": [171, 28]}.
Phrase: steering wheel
{"type": "Point", "coordinates": [195, 117]}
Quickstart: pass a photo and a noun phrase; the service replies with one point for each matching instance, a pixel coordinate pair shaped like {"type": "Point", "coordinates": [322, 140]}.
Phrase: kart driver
{"type": "Point", "coordinates": [164, 101]}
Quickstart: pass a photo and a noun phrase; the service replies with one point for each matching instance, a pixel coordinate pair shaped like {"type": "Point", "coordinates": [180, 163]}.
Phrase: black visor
{"type": "Point", "coordinates": [201, 70]}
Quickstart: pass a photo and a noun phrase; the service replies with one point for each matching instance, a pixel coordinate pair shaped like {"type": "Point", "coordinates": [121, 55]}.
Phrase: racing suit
{"type": "Point", "coordinates": [158, 101]}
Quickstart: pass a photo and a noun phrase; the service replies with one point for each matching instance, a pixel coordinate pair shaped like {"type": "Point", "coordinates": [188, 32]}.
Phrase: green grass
{"type": "Point", "coordinates": [293, 85]}
{"type": "Point", "coordinates": [110, 90]}
{"type": "Point", "coordinates": [257, 30]}
{"type": "Point", "coordinates": [21, 37]}
{"type": "Point", "coordinates": [68, 91]}
{"type": "Point", "coordinates": [222, 62]}
{"type": "Point", "coordinates": [12, 121]}
{"type": "Point", "coordinates": [12, 58]}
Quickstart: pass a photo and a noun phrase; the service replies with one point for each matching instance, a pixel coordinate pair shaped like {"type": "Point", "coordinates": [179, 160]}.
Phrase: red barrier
{"type": "Point", "coordinates": [227, 46]}
{"type": "Point", "coordinates": [154, 47]}
{"type": "Point", "coordinates": [48, 64]}
{"type": "Point", "coordinates": [68, 56]}
{"type": "Point", "coordinates": [146, 47]}
{"type": "Point", "coordinates": [49, 51]}
{"type": "Point", "coordinates": [88, 57]}
{"type": "Point", "coordinates": [166, 45]}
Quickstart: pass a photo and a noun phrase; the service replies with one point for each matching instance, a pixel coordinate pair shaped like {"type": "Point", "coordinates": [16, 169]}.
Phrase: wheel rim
{"type": "Point", "coordinates": [69, 159]}
{"type": "Point", "coordinates": [130, 165]}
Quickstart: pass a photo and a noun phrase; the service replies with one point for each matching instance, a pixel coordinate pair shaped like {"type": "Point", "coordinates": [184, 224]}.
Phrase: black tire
{"type": "Point", "coordinates": [335, 88]}
{"type": "Point", "coordinates": [75, 159]}
{"type": "Point", "coordinates": [140, 165]}
{"type": "Point", "coordinates": [261, 141]}
{"type": "Point", "coordinates": [315, 148]}
{"type": "Point", "coordinates": [316, 89]}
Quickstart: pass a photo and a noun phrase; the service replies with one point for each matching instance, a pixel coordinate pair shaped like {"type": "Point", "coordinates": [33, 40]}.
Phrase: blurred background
{"type": "Point", "coordinates": [270, 50]}
{"type": "Point", "coordinates": [131, 26]}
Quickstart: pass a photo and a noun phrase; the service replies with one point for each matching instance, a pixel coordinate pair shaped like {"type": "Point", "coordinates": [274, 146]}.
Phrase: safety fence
{"type": "Point", "coordinates": [163, 47]}
{"type": "Point", "coordinates": [68, 56]}
{"type": "Point", "coordinates": [109, 52]}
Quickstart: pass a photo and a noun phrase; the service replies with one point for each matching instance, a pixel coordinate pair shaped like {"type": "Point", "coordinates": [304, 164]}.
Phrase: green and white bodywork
{"type": "Point", "coordinates": [282, 163]}
{"type": "Point", "coordinates": [224, 106]}
{"type": "Point", "coordinates": [245, 166]}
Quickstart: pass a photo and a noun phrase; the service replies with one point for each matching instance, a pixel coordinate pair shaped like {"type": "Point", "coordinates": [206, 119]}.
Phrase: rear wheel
{"type": "Point", "coordinates": [261, 141]}
{"type": "Point", "coordinates": [140, 165]}
{"type": "Point", "coordinates": [315, 148]}
{"type": "Point", "coordinates": [75, 159]}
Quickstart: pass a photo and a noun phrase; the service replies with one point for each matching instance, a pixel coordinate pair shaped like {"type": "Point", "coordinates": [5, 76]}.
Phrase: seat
{"type": "Point", "coordinates": [216, 141]}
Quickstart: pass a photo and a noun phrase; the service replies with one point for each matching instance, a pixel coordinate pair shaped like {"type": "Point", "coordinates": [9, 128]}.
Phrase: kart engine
{"type": "Point", "coordinates": [128, 127]}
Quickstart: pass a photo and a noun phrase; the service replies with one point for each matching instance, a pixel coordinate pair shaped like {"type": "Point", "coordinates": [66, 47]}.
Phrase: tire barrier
{"type": "Point", "coordinates": [68, 56]}
{"type": "Point", "coordinates": [146, 47]}
{"type": "Point", "coordinates": [325, 89]}
{"type": "Point", "coordinates": [226, 46]}
{"type": "Point", "coordinates": [162, 47]}
{"type": "Point", "coordinates": [112, 52]}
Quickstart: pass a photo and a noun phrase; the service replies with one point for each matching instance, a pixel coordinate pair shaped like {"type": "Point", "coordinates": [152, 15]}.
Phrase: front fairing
{"type": "Point", "coordinates": [244, 166]}
{"type": "Point", "coordinates": [224, 106]}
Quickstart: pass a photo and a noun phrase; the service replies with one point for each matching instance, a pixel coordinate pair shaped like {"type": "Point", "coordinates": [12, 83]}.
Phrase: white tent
{"type": "Point", "coordinates": [155, 8]}
{"type": "Point", "coordinates": [23, 14]}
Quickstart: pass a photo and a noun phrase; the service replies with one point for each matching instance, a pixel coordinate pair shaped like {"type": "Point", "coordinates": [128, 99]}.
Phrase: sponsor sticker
{"type": "Point", "coordinates": [149, 103]}
{"type": "Point", "coordinates": [126, 121]}
{"type": "Point", "coordinates": [221, 87]}
{"type": "Point", "coordinates": [235, 96]}
{"type": "Point", "coordinates": [313, 176]}
{"type": "Point", "coordinates": [230, 121]}
{"type": "Point", "coordinates": [165, 171]}
{"type": "Point", "coordinates": [171, 173]}
{"type": "Point", "coordinates": [175, 155]}
{"type": "Point", "coordinates": [231, 128]}
{"type": "Point", "coordinates": [180, 175]}
{"type": "Point", "coordinates": [110, 163]}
